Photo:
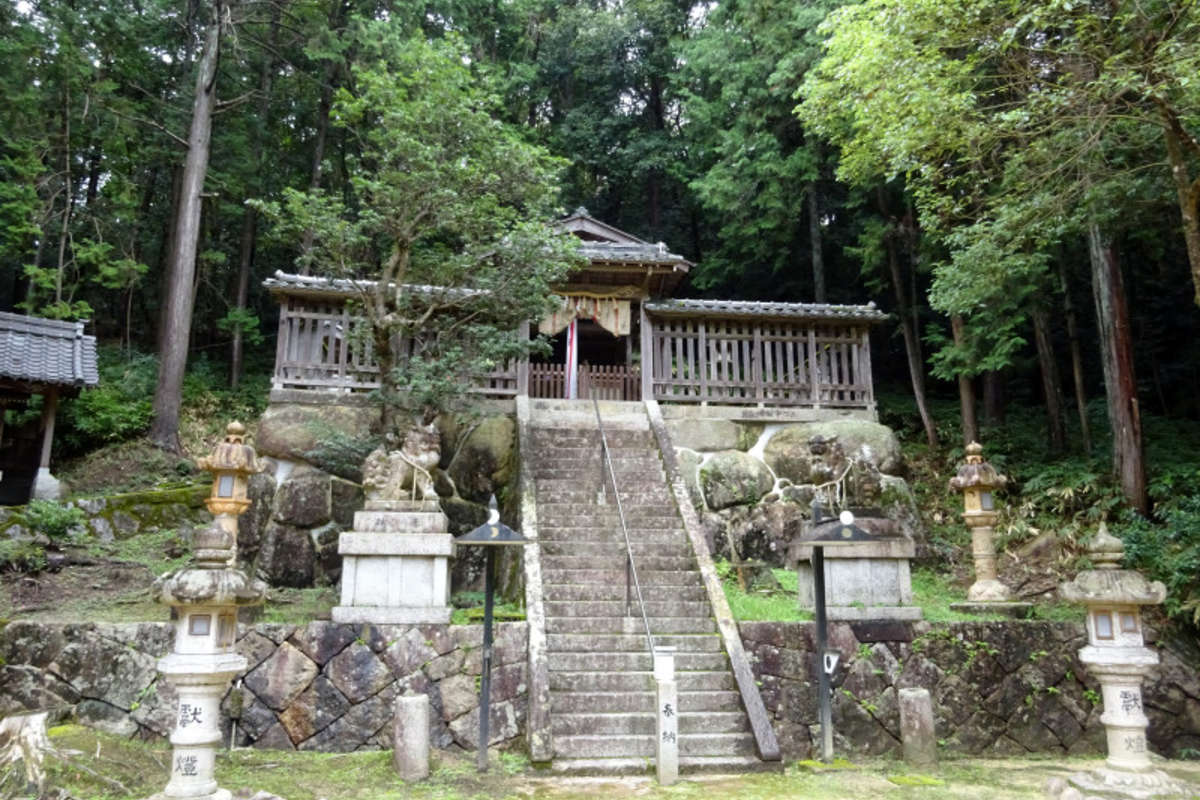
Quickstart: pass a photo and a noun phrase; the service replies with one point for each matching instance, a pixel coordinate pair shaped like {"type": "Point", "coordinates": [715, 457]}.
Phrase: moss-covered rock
{"type": "Point", "coordinates": [485, 461]}
{"type": "Point", "coordinates": [689, 469]}
{"type": "Point", "coordinates": [788, 455]}
{"type": "Point", "coordinates": [293, 430]}
{"type": "Point", "coordinates": [731, 478]}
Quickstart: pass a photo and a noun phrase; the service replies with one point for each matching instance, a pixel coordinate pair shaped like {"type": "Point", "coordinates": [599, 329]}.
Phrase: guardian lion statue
{"type": "Point", "coordinates": [403, 473]}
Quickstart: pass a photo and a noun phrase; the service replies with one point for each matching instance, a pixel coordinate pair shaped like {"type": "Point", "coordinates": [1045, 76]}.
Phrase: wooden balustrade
{"type": "Point", "coordinates": [736, 360]}
{"type": "Point", "coordinates": [744, 361]}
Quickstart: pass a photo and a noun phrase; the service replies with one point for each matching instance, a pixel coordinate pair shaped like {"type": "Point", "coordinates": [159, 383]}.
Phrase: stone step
{"type": "Point", "coordinates": [616, 608]}
{"type": "Point", "coordinates": [690, 765]}
{"type": "Point", "coordinates": [643, 723]}
{"type": "Point", "coordinates": [640, 562]}
{"type": "Point", "coordinates": [629, 642]}
{"type": "Point", "coordinates": [581, 494]}
{"type": "Point", "coordinates": [649, 577]}
{"type": "Point", "coordinates": [601, 518]}
{"type": "Point", "coordinates": [569, 547]}
{"type": "Point", "coordinates": [634, 662]}
{"type": "Point", "coordinates": [588, 681]}
{"type": "Point", "coordinates": [589, 591]}
{"type": "Point", "coordinates": [612, 534]}
{"type": "Point", "coordinates": [561, 437]}
{"type": "Point", "coordinates": [586, 420]}
{"type": "Point", "coordinates": [603, 702]}
{"type": "Point", "coordinates": [579, 459]}
{"type": "Point", "coordinates": [690, 744]}
{"type": "Point", "coordinates": [626, 625]}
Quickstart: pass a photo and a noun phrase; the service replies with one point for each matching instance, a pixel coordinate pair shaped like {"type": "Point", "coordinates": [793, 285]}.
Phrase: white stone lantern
{"type": "Point", "coordinates": [1117, 657]}
{"type": "Point", "coordinates": [206, 596]}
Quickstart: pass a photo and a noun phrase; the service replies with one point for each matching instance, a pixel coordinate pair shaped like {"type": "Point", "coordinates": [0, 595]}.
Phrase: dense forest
{"type": "Point", "coordinates": [1016, 186]}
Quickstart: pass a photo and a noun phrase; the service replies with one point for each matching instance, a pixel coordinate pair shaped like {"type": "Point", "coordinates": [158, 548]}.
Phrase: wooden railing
{"type": "Point", "coordinates": [744, 361]}
{"type": "Point", "coordinates": [738, 361]}
{"type": "Point", "coordinates": [321, 348]}
{"type": "Point", "coordinates": [601, 381]}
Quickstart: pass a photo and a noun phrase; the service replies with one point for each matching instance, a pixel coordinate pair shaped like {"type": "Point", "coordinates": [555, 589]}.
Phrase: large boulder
{"type": "Point", "coordinates": [287, 556]}
{"type": "Point", "coordinates": [292, 430]}
{"type": "Point", "coordinates": [689, 469]}
{"type": "Point", "coordinates": [304, 499]}
{"type": "Point", "coordinates": [732, 478]}
{"type": "Point", "coordinates": [788, 454]}
{"type": "Point", "coordinates": [484, 461]}
{"type": "Point", "coordinates": [706, 434]}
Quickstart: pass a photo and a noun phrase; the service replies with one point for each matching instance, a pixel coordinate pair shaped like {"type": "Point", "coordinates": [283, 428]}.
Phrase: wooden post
{"type": "Point", "coordinates": [756, 372]}
{"type": "Point", "coordinates": [647, 356]}
{"type": "Point", "coordinates": [523, 365]}
{"type": "Point", "coordinates": [703, 325]}
{"type": "Point", "coordinates": [814, 372]}
{"type": "Point", "coordinates": [864, 363]}
{"type": "Point", "coordinates": [49, 410]}
{"type": "Point", "coordinates": [281, 343]}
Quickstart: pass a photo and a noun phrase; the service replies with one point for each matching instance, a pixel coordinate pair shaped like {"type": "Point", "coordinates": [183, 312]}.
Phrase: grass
{"type": "Point", "coordinates": [777, 606]}
{"type": "Point", "coordinates": [933, 591]}
{"type": "Point", "coordinates": [298, 606]}
{"type": "Point", "coordinates": [141, 767]}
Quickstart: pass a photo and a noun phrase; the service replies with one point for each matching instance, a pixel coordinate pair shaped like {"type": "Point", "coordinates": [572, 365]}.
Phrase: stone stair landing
{"type": "Point", "coordinates": [602, 699]}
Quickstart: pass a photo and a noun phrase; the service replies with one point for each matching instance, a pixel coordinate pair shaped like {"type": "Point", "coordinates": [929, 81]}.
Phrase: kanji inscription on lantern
{"type": "Point", "coordinates": [1135, 744]}
{"type": "Point", "coordinates": [186, 765]}
{"type": "Point", "coordinates": [668, 711]}
{"type": "Point", "coordinates": [189, 715]}
{"type": "Point", "coordinates": [1130, 701]}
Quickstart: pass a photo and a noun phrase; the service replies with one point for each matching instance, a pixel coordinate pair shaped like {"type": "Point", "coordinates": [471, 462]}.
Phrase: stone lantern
{"type": "Point", "coordinates": [232, 463]}
{"type": "Point", "coordinates": [977, 480]}
{"type": "Point", "coordinates": [1118, 658]}
{"type": "Point", "coordinates": [206, 596]}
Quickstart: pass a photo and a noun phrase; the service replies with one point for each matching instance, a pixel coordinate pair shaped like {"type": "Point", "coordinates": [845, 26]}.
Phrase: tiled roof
{"type": "Point", "coordinates": [48, 351]}
{"type": "Point", "coordinates": [641, 253]}
{"type": "Point", "coordinates": [753, 308]}
{"type": "Point", "coordinates": [288, 283]}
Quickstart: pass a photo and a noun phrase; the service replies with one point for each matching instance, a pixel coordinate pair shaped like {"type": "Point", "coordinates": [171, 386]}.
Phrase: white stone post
{"type": "Point", "coordinates": [410, 737]}
{"type": "Point", "coordinates": [666, 740]}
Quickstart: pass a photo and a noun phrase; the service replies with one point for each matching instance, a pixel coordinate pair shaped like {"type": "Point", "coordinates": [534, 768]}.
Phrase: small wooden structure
{"type": "Point", "coordinates": [43, 357]}
{"type": "Point", "coordinates": [691, 351]}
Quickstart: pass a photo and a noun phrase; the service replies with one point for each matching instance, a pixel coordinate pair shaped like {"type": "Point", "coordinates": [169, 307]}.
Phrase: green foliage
{"type": "Point", "coordinates": [22, 555]}
{"type": "Point", "coordinates": [1169, 552]}
{"type": "Point", "coordinates": [116, 410]}
{"type": "Point", "coordinates": [54, 520]}
{"type": "Point", "coordinates": [447, 222]}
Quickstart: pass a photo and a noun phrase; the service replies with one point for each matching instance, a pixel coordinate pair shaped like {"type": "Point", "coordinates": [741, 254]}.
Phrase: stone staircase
{"type": "Point", "coordinates": [602, 701]}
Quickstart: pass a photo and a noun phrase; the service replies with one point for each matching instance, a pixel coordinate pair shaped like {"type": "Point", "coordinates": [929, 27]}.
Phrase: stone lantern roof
{"type": "Point", "coordinates": [1106, 584]}
{"type": "Point", "coordinates": [977, 473]}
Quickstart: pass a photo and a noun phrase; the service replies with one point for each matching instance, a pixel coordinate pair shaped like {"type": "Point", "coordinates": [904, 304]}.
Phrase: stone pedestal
{"type": "Point", "coordinates": [396, 564]}
{"type": "Point", "coordinates": [200, 680]}
{"type": "Point", "coordinates": [870, 580]}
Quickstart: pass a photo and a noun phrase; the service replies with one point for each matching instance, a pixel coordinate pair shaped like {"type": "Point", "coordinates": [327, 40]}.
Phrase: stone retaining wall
{"type": "Point", "coordinates": [321, 686]}
{"type": "Point", "coordinates": [998, 688]}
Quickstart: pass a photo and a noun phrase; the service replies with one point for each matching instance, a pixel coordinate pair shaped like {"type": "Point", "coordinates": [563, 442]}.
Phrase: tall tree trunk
{"type": "Point", "coordinates": [1187, 189]}
{"type": "Point", "coordinates": [1051, 382]}
{"type": "Point", "coordinates": [249, 217]}
{"type": "Point", "coordinates": [181, 269]}
{"type": "Point", "coordinates": [995, 400]}
{"type": "Point", "coordinates": [814, 238]}
{"type": "Point", "coordinates": [1116, 354]}
{"type": "Point", "coordinates": [912, 346]}
{"type": "Point", "coordinates": [966, 389]}
{"type": "Point", "coordinates": [1085, 429]}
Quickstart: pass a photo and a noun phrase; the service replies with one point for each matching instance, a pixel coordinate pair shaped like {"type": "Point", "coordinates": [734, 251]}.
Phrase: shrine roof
{"type": "Point", "coordinates": [826, 312]}
{"type": "Point", "coordinates": [50, 352]}
{"type": "Point", "coordinates": [319, 286]}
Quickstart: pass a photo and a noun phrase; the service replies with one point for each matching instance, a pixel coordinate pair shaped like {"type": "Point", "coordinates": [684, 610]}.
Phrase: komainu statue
{"type": "Point", "coordinates": [392, 473]}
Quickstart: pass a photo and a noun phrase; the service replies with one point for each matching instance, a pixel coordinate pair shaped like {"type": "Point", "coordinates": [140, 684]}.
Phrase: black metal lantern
{"type": "Point", "coordinates": [491, 534]}
{"type": "Point", "coordinates": [831, 532]}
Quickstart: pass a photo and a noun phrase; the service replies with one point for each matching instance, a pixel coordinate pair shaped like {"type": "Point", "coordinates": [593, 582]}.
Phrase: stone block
{"type": "Point", "coordinates": [356, 543]}
{"type": "Point", "coordinates": [358, 673]}
{"type": "Point", "coordinates": [411, 651]}
{"type": "Point", "coordinates": [321, 641]}
{"type": "Point", "coordinates": [282, 677]}
{"type": "Point", "coordinates": [917, 734]}
{"type": "Point", "coordinates": [304, 499]}
{"type": "Point", "coordinates": [410, 737]}
{"type": "Point", "coordinates": [400, 522]}
{"type": "Point", "coordinates": [314, 709]}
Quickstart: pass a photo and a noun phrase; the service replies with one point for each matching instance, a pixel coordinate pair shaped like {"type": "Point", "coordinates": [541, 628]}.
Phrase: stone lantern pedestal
{"type": "Point", "coordinates": [206, 596]}
{"type": "Point", "coordinates": [977, 480]}
{"type": "Point", "coordinates": [1117, 657]}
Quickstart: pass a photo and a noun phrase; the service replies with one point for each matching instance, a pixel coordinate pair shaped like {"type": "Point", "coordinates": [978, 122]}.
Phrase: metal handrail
{"type": "Point", "coordinates": [630, 569]}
